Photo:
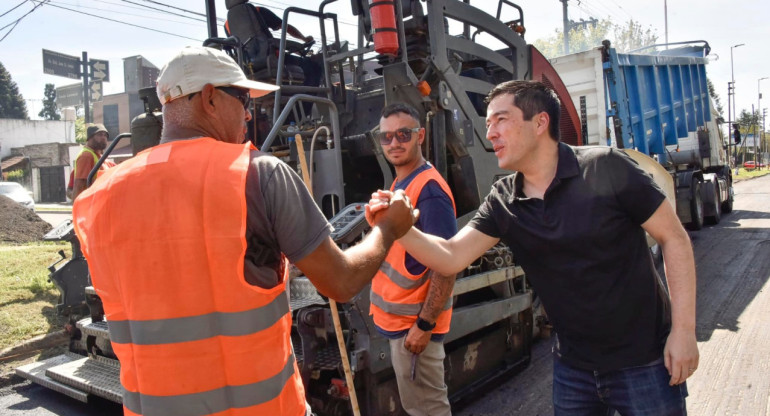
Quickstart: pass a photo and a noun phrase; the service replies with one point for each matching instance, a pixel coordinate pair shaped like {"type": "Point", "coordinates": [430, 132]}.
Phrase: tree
{"type": "Point", "coordinates": [12, 104]}
{"type": "Point", "coordinates": [581, 38]}
{"type": "Point", "coordinates": [627, 36]}
{"type": "Point", "coordinates": [747, 120]}
{"type": "Point", "coordinates": [632, 36]}
{"type": "Point", "coordinates": [80, 130]}
{"type": "Point", "coordinates": [49, 111]}
{"type": "Point", "coordinates": [715, 97]}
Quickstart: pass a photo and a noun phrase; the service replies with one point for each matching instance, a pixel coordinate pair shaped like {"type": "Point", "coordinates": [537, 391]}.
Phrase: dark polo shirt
{"type": "Point", "coordinates": [586, 255]}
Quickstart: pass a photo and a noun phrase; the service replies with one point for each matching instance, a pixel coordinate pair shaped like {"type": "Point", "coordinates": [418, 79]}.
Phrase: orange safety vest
{"type": "Point", "coordinates": [106, 165]}
{"type": "Point", "coordinates": [397, 295]}
{"type": "Point", "coordinates": [164, 234]}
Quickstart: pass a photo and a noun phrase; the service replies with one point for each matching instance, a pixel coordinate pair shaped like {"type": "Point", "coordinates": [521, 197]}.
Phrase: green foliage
{"type": "Point", "coordinates": [632, 35]}
{"type": "Point", "coordinates": [628, 36]}
{"type": "Point", "coordinates": [715, 97]}
{"type": "Point", "coordinates": [15, 175]}
{"type": "Point", "coordinates": [80, 130]}
{"type": "Point", "coordinates": [49, 111]}
{"type": "Point", "coordinates": [12, 104]}
{"type": "Point", "coordinates": [747, 120]}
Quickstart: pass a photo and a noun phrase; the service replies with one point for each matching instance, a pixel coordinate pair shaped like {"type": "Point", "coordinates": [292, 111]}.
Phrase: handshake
{"type": "Point", "coordinates": [392, 212]}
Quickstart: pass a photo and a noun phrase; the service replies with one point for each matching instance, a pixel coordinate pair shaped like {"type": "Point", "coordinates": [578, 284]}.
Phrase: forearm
{"type": "Point", "coordinates": [342, 274]}
{"type": "Point", "coordinates": [446, 257]}
{"type": "Point", "coordinates": [364, 259]}
{"type": "Point", "coordinates": [294, 32]}
{"type": "Point", "coordinates": [679, 264]}
{"type": "Point", "coordinates": [439, 291]}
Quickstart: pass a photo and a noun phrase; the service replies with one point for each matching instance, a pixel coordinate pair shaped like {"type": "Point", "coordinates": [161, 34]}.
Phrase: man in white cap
{"type": "Point", "coordinates": [187, 245]}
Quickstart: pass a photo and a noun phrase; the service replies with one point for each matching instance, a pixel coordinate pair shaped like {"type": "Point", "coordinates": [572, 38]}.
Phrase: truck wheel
{"type": "Point", "coordinates": [727, 204]}
{"type": "Point", "coordinates": [714, 219]}
{"type": "Point", "coordinates": [696, 207]}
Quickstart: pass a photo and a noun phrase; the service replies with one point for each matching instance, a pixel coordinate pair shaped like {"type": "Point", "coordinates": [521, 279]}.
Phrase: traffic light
{"type": "Point", "coordinates": [737, 133]}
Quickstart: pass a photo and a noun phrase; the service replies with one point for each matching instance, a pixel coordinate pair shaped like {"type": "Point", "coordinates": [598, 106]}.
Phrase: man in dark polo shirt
{"type": "Point", "coordinates": [576, 219]}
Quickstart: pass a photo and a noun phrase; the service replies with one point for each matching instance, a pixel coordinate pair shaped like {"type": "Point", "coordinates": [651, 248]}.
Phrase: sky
{"type": "Point", "coordinates": [101, 28]}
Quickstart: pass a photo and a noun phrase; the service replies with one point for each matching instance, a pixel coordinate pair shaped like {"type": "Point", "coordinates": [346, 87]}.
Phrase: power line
{"type": "Point", "coordinates": [144, 16]}
{"type": "Point", "coordinates": [118, 21]}
{"type": "Point", "coordinates": [19, 19]}
{"type": "Point", "coordinates": [145, 7]}
{"type": "Point", "coordinates": [14, 8]}
{"type": "Point", "coordinates": [624, 10]}
{"type": "Point", "coordinates": [180, 9]}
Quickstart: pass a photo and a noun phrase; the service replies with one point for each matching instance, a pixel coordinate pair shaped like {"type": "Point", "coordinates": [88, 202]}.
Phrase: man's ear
{"type": "Point", "coordinates": [421, 136]}
{"type": "Point", "coordinates": [207, 99]}
{"type": "Point", "coordinates": [543, 120]}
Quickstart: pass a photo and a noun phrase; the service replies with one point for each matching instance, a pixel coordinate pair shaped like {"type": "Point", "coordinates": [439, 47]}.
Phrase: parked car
{"type": "Point", "coordinates": [17, 192]}
{"type": "Point", "coordinates": [750, 164]}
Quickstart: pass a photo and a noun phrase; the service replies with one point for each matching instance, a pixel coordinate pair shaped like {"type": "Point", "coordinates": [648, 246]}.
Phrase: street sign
{"type": "Point", "coordinates": [59, 64]}
{"type": "Point", "coordinates": [96, 91]}
{"type": "Point", "coordinates": [100, 69]}
{"type": "Point", "coordinates": [69, 96]}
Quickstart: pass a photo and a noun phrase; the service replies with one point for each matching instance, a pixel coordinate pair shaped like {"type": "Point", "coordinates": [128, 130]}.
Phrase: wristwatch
{"type": "Point", "coordinates": [425, 325]}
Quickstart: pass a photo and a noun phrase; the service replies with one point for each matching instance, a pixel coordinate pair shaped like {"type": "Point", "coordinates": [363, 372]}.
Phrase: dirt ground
{"type": "Point", "coordinates": [19, 225]}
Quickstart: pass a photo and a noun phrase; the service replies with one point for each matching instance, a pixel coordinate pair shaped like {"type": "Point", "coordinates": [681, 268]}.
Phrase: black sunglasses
{"type": "Point", "coordinates": [403, 135]}
{"type": "Point", "coordinates": [242, 95]}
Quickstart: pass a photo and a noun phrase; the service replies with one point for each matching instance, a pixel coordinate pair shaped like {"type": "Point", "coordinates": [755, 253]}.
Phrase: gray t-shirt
{"type": "Point", "coordinates": [281, 218]}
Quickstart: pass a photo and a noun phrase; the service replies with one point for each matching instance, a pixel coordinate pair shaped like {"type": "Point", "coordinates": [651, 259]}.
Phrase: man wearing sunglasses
{"type": "Point", "coordinates": [411, 304]}
{"type": "Point", "coordinates": [187, 245]}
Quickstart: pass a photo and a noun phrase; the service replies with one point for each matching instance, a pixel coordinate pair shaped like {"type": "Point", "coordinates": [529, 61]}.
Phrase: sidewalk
{"type": "Point", "coordinates": [48, 207]}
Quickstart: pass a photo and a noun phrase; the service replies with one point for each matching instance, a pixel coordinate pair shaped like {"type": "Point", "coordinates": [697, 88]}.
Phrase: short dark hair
{"type": "Point", "coordinates": [531, 97]}
{"type": "Point", "coordinates": [395, 108]}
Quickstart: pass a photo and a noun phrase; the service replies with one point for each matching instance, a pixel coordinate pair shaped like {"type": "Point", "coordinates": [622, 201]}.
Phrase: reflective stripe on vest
{"type": "Point", "coordinates": [164, 234]}
{"type": "Point", "coordinates": [193, 328]}
{"type": "Point", "coordinates": [399, 279]}
{"type": "Point", "coordinates": [214, 401]}
{"type": "Point", "coordinates": [397, 296]}
{"type": "Point", "coordinates": [403, 309]}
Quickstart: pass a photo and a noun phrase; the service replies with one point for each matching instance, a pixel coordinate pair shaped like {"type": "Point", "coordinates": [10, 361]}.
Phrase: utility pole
{"type": "Point", "coordinates": [86, 91]}
{"type": "Point", "coordinates": [732, 85]}
{"type": "Point", "coordinates": [763, 144]}
{"type": "Point", "coordinates": [569, 24]}
{"type": "Point", "coordinates": [665, 20]}
{"type": "Point", "coordinates": [729, 123]}
{"type": "Point", "coordinates": [565, 18]}
{"type": "Point", "coordinates": [759, 99]}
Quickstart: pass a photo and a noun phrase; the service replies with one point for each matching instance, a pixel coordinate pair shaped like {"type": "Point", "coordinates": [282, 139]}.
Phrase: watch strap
{"type": "Point", "coordinates": [425, 325]}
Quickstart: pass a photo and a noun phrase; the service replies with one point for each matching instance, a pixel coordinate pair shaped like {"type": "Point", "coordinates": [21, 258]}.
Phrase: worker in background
{"type": "Point", "coordinates": [187, 245]}
{"type": "Point", "coordinates": [96, 142]}
{"type": "Point", "coordinates": [311, 70]}
{"type": "Point", "coordinates": [411, 304]}
{"type": "Point", "coordinates": [576, 217]}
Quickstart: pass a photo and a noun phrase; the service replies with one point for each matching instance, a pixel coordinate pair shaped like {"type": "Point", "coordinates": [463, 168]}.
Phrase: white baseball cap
{"type": "Point", "coordinates": [195, 66]}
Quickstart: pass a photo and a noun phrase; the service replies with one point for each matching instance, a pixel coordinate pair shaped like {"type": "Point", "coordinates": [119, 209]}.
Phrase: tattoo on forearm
{"type": "Point", "coordinates": [438, 292]}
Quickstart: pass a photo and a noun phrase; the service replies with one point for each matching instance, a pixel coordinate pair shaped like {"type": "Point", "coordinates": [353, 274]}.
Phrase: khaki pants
{"type": "Point", "coordinates": [426, 395]}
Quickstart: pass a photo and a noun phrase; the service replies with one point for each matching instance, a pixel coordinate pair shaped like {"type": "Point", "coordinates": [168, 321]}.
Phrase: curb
{"type": "Point", "coordinates": [39, 342]}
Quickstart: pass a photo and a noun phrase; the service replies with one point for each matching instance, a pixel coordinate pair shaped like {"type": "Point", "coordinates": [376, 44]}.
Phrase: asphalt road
{"type": "Point", "coordinates": [733, 330]}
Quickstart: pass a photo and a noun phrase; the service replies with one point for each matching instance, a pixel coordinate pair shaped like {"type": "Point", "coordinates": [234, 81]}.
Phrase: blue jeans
{"type": "Point", "coordinates": [634, 391]}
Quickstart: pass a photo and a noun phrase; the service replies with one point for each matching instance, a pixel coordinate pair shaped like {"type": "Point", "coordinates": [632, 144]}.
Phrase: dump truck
{"type": "Point", "coordinates": [658, 103]}
{"type": "Point", "coordinates": [439, 66]}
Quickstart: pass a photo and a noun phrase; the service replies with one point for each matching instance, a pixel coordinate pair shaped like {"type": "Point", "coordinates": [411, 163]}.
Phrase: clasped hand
{"type": "Point", "coordinates": [392, 212]}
